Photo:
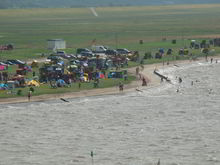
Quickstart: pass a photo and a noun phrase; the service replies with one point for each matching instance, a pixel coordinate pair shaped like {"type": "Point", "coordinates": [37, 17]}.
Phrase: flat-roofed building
{"type": "Point", "coordinates": [56, 44]}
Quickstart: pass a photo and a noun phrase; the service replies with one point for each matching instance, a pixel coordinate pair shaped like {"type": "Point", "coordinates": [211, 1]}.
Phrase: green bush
{"type": "Point", "coordinates": [19, 92]}
{"type": "Point", "coordinates": [173, 41]}
{"type": "Point", "coordinates": [147, 55]}
{"type": "Point", "coordinates": [177, 57]}
{"type": "Point", "coordinates": [31, 89]}
{"type": "Point", "coordinates": [203, 42]}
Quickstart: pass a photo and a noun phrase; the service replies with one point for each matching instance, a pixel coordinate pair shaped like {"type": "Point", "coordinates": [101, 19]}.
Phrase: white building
{"type": "Point", "coordinates": [56, 44]}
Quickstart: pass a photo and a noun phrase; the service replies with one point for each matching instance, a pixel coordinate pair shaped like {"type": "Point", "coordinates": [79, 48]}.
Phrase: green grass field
{"type": "Point", "coordinates": [29, 29]}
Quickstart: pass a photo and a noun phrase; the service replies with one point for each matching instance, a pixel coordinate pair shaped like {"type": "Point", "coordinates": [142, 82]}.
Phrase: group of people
{"type": "Point", "coordinates": [216, 61]}
{"type": "Point", "coordinates": [211, 60]}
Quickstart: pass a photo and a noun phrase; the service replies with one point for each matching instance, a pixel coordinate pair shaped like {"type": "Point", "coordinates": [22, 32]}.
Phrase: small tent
{"type": "Point", "coordinates": [33, 83]}
{"type": "Point", "coordinates": [60, 83]}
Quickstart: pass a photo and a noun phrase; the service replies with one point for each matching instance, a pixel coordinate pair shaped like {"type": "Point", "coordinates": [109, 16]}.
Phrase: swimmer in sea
{"type": "Point", "coordinates": [180, 80]}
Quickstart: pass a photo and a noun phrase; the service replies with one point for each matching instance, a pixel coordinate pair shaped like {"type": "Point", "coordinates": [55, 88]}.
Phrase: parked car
{"type": "Point", "coordinates": [72, 56]}
{"type": "Point", "coordinates": [16, 61]}
{"type": "Point", "coordinates": [54, 57]}
{"type": "Point", "coordinates": [74, 62]}
{"type": "Point", "coordinates": [80, 50]}
{"type": "Point", "coordinates": [9, 63]}
{"type": "Point", "coordinates": [123, 51]}
{"type": "Point", "coordinates": [158, 55]}
{"type": "Point", "coordinates": [60, 53]}
{"type": "Point", "coordinates": [98, 49]}
{"type": "Point", "coordinates": [87, 54]}
{"type": "Point", "coordinates": [3, 63]}
{"type": "Point", "coordinates": [111, 52]}
{"type": "Point", "coordinates": [169, 51]}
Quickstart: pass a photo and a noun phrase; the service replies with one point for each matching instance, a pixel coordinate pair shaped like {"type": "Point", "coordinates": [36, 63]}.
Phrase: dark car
{"type": "Point", "coordinates": [16, 61]}
{"type": "Point", "coordinates": [3, 63]}
{"type": "Point", "coordinates": [80, 50]}
{"type": "Point", "coordinates": [9, 63]}
{"type": "Point", "coordinates": [169, 51]}
{"type": "Point", "coordinates": [54, 57]}
{"type": "Point", "coordinates": [158, 55]}
{"type": "Point", "coordinates": [111, 52]}
{"type": "Point", "coordinates": [68, 56]}
{"type": "Point", "coordinates": [123, 51]}
{"type": "Point", "coordinates": [60, 53]}
{"type": "Point", "coordinates": [87, 54]}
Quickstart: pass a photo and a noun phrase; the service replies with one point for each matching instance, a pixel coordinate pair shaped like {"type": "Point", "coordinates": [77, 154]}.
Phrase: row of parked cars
{"type": "Point", "coordinates": [101, 50]}
{"type": "Point", "coordinates": [85, 52]}
{"type": "Point", "coordinates": [11, 62]}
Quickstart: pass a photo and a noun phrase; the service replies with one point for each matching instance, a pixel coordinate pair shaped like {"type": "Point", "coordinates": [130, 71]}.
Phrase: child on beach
{"type": "Point", "coordinates": [121, 86]}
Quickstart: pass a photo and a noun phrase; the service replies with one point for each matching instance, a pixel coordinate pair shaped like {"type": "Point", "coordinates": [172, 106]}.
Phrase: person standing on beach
{"type": "Point", "coordinates": [137, 70]}
{"type": "Point", "coordinates": [144, 82]}
{"type": "Point", "coordinates": [29, 95]}
{"type": "Point", "coordinates": [121, 86]}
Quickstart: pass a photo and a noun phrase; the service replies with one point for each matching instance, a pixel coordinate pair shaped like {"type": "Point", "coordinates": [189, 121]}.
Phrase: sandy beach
{"type": "Point", "coordinates": [147, 72]}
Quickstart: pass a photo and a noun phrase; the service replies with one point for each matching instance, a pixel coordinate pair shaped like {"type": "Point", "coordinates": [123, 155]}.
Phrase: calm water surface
{"type": "Point", "coordinates": [137, 128]}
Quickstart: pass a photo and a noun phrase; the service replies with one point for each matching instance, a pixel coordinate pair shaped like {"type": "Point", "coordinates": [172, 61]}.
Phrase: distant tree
{"type": "Point", "coordinates": [147, 55]}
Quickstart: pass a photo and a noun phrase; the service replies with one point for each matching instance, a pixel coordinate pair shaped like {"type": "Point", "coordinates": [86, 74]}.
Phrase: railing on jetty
{"type": "Point", "coordinates": [161, 76]}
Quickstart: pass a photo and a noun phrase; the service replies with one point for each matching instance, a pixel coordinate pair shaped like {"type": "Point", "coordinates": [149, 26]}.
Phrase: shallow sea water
{"type": "Point", "coordinates": [136, 128]}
